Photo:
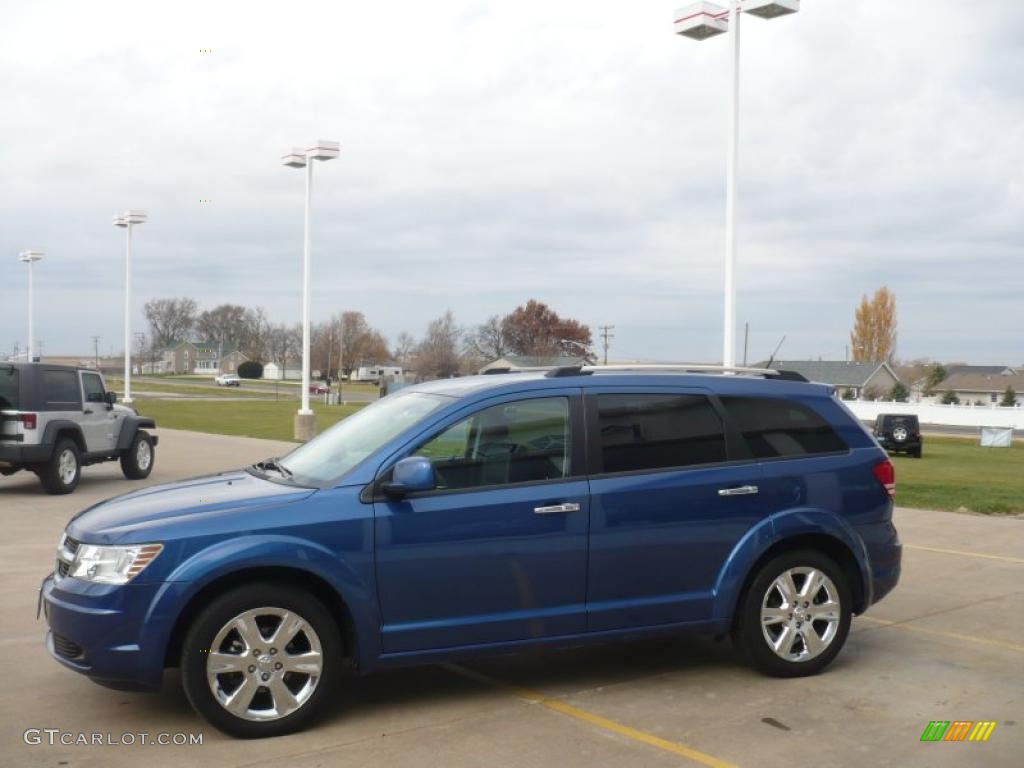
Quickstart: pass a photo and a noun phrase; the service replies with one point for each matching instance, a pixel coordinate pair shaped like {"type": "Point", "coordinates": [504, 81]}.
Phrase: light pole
{"type": "Point", "coordinates": [305, 422]}
{"type": "Point", "coordinates": [127, 220]}
{"type": "Point", "coordinates": [30, 257]}
{"type": "Point", "coordinates": [699, 21]}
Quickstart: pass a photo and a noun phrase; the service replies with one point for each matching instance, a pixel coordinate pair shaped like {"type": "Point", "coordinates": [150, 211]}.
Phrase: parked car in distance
{"type": "Point", "coordinates": [55, 419]}
{"type": "Point", "coordinates": [488, 513]}
{"type": "Point", "coordinates": [319, 388]}
{"type": "Point", "coordinates": [228, 380]}
{"type": "Point", "coordinates": [899, 433]}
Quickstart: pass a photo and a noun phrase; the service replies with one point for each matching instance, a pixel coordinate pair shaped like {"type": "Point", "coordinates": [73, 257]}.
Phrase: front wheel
{"type": "Point", "coordinates": [261, 660]}
{"type": "Point", "coordinates": [137, 460]}
{"type": "Point", "coordinates": [795, 616]}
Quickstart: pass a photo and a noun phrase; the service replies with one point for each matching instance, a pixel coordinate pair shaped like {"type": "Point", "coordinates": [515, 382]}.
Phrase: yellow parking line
{"type": "Point", "coordinates": [941, 633]}
{"type": "Point", "coordinates": [1004, 558]}
{"type": "Point", "coordinates": [535, 697]}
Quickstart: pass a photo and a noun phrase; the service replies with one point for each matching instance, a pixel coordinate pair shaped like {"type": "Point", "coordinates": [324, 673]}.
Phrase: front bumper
{"type": "Point", "coordinates": [109, 633]}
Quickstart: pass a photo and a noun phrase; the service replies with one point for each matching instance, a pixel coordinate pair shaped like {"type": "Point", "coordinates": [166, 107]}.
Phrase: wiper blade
{"type": "Point", "coordinates": [275, 465]}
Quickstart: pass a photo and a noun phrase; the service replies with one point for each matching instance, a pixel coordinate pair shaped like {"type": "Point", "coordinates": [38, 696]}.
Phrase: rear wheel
{"type": "Point", "coordinates": [137, 460]}
{"type": "Point", "coordinates": [62, 472]}
{"type": "Point", "coordinates": [795, 616]}
{"type": "Point", "coordinates": [261, 660]}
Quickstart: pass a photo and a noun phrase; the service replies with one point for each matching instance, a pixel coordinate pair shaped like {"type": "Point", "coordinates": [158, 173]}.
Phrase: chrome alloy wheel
{"type": "Point", "coordinates": [264, 664]}
{"type": "Point", "coordinates": [67, 467]}
{"type": "Point", "coordinates": [143, 455]}
{"type": "Point", "coordinates": [800, 614]}
{"type": "Point", "coordinates": [900, 434]}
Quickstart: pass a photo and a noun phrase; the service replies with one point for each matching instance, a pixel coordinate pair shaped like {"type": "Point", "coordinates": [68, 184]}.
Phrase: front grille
{"type": "Point", "coordinates": [66, 554]}
{"type": "Point", "coordinates": [71, 545]}
{"type": "Point", "coordinates": [67, 649]}
{"type": "Point", "coordinates": [63, 568]}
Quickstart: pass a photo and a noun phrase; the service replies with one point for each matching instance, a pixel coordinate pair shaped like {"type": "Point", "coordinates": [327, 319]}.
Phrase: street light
{"type": "Point", "coordinates": [305, 422]}
{"type": "Point", "coordinates": [30, 257]}
{"type": "Point", "coordinates": [699, 21]}
{"type": "Point", "coordinates": [127, 220]}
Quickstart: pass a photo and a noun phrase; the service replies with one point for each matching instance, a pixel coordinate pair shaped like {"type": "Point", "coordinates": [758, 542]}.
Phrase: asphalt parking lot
{"type": "Point", "coordinates": [948, 644]}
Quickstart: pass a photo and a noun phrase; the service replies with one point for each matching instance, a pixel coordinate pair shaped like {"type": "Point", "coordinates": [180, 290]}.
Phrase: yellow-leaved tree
{"type": "Point", "coordinates": [874, 327]}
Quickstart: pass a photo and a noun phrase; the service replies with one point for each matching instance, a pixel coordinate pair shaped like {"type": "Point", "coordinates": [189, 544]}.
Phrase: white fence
{"type": "Point", "coordinates": [935, 413]}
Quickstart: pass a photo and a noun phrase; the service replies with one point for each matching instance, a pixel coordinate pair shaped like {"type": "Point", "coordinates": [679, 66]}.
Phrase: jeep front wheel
{"type": "Point", "coordinates": [137, 460]}
{"type": "Point", "coordinates": [61, 473]}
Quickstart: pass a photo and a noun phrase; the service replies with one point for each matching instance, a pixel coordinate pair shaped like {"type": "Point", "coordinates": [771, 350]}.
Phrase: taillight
{"type": "Point", "coordinates": [885, 474]}
{"type": "Point", "coordinates": [28, 420]}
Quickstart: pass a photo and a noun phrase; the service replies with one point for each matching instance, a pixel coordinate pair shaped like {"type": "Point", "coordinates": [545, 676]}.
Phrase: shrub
{"type": "Point", "coordinates": [1009, 398]}
{"type": "Point", "coordinates": [848, 394]}
{"type": "Point", "coordinates": [949, 397]}
{"type": "Point", "coordinates": [899, 393]}
{"type": "Point", "coordinates": [250, 369]}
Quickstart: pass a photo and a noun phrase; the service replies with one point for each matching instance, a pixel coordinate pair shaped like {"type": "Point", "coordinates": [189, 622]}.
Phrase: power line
{"type": "Point", "coordinates": [606, 336]}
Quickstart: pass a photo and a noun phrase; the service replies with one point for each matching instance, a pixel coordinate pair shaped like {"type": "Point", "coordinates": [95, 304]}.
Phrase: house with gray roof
{"type": "Point", "coordinates": [866, 380]}
{"type": "Point", "coordinates": [209, 357]}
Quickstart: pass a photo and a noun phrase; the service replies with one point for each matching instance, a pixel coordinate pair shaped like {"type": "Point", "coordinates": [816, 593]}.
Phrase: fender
{"type": "Point", "coordinates": [129, 427]}
{"type": "Point", "coordinates": [261, 551]}
{"type": "Point", "coordinates": [779, 527]}
{"type": "Point", "coordinates": [50, 434]}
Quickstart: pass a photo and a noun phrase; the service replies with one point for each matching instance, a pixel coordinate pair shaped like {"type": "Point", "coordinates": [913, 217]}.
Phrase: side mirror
{"type": "Point", "coordinates": [110, 398]}
{"type": "Point", "coordinates": [410, 475]}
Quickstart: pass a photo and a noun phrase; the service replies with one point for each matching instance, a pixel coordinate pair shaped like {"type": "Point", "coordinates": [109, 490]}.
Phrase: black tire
{"type": "Point", "coordinates": [750, 637]}
{"type": "Point", "coordinates": [54, 480]}
{"type": "Point", "coordinates": [916, 453]}
{"type": "Point", "coordinates": [215, 616]}
{"type": "Point", "coordinates": [133, 460]}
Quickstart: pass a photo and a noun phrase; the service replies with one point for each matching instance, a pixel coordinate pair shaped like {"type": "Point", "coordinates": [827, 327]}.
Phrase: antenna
{"type": "Point", "coordinates": [772, 358]}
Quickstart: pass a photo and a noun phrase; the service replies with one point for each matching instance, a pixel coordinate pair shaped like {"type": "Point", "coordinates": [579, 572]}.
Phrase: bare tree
{"type": "Point", "coordinates": [284, 344]}
{"type": "Point", "coordinates": [227, 324]}
{"type": "Point", "coordinates": [170, 320]}
{"type": "Point", "coordinates": [404, 349]}
{"type": "Point", "coordinates": [487, 341]}
{"type": "Point", "coordinates": [437, 356]}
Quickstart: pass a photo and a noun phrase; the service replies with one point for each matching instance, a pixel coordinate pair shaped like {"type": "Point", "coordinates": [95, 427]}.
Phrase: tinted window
{"type": "Point", "coordinates": [93, 387]}
{"type": "Point", "coordinates": [60, 391]}
{"type": "Point", "coordinates": [655, 431]}
{"type": "Point", "coordinates": [519, 442]}
{"type": "Point", "coordinates": [773, 427]}
{"type": "Point", "coordinates": [8, 387]}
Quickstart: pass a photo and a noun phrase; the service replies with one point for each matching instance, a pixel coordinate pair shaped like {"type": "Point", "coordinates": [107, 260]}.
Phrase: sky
{"type": "Point", "coordinates": [572, 152]}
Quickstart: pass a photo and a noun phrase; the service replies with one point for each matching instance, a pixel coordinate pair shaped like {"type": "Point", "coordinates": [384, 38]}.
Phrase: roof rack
{"type": "Point", "coordinates": [585, 370]}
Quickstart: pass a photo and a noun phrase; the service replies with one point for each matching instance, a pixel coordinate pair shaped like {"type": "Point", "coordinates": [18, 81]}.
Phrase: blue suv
{"type": "Point", "coordinates": [494, 512]}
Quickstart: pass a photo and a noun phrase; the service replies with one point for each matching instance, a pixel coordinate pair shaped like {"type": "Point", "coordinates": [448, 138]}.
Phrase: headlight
{"type": "Point", "coordinates": [112, 565]}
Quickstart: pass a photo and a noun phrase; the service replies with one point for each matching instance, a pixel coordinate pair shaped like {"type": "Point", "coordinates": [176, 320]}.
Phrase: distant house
{"type": "Point", "coordinates": [519, 362]}
{"type": "Point", "coordinates": [209, 357]}
{"type": "Point", "coordinates": [290, 370]}
{"type": "Point", "coordinates": [986, 388]}
{"type": "Point", "coordinates": [864, 380]}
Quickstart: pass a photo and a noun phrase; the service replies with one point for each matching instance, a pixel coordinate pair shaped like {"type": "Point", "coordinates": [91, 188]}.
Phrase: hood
{"type": "Point", "coordinates": [184, 501]}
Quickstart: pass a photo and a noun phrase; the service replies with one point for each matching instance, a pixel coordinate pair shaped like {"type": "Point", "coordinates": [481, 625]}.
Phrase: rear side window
{"type": "Point", "coordinates": [9, 388]}
{"type": "Point", "coordinates": [60, 391]}
{"type": "Point", "coordinates": [772, 427]}
{"type": "Point", "coordinates": [644, 431]}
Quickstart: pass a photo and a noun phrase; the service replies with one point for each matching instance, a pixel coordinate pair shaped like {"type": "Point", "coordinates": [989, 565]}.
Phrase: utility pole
{"type": "Point", "coordinates": [606, 336]}
{"type": "Point", "coordinates": [96, 350]}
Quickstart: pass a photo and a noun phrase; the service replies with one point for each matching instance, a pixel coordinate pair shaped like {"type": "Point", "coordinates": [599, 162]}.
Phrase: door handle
{"type": "Point", "coordinates": [87, 412]}
{"type": "Point", "coordinates": [555, 509]}
{"type": "Point", "coordinates": [743, 490]}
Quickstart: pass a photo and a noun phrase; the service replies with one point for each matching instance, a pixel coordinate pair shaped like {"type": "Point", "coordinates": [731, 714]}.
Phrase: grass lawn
{"type": "Point", "coordinates": [186, 378]}
{"type": "Point", "coordinates": [957, 472]}
{"type": "Point", "coordinates": [117, 385]}
{"type": "Point", "coordinates": [269, 419]}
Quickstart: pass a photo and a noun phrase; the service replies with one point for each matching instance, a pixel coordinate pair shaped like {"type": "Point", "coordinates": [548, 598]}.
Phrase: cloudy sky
{"type": "Point", "coordinates": [571, 151]}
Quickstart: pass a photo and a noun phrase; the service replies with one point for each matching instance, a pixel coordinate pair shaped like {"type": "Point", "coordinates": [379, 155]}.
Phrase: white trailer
{"type": "Point", "coordinates": [375, 373]}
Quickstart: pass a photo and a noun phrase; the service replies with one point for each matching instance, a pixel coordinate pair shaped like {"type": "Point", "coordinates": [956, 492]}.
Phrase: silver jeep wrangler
{"type": "Point", "coordinates": [55, 419]}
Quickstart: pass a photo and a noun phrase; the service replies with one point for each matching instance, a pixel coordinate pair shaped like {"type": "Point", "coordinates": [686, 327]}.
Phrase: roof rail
{"type": "Point", "coordinates": [768, 373]}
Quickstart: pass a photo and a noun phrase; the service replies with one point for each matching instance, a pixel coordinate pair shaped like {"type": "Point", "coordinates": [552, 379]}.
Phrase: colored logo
{"type": "Point", "coordinates": [958, 730]}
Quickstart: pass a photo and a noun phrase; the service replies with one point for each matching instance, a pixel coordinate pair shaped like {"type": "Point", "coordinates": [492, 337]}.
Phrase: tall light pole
{"type": "Point", "coordinates": [127, 220]}
{"type": "Point", "coordinates": [699, 21]}
{"type": "Point", "coordinates": [305, 422]}
{"type": "Point", "coordinates": [30, 257]}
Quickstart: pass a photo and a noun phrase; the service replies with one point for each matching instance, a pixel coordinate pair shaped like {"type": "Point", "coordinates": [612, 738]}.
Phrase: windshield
{"type": "Point", "coordinates": [351, 440]}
